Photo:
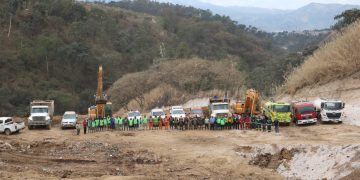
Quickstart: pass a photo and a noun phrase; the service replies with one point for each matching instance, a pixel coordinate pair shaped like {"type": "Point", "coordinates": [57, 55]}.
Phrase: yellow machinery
{"type": "Point", "coordinates": [102, 106]}
{"type": "Point", "coordinates": [251, 105]}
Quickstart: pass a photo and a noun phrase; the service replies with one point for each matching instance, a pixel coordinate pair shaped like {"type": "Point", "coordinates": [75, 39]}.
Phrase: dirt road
{"type": "Point", "coordinates": [232, 154]}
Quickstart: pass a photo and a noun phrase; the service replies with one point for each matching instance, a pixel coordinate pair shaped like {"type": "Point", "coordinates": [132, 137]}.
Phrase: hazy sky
{"type": "Point", "coordinates": [277, 4]}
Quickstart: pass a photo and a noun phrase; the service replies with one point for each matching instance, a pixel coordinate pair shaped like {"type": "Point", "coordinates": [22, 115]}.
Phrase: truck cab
{"type": "Point", "coordinates": [41, 113]}
{"type": "Point", "coordinates": [177, 112]}
{"type": "Point", "coordinates": [157, 113]}
{"type": "Point", "coordinates": [330, 110]}
{"type": "Point", "coordinates": [303, 113]}
{"type": "Point", "coordinates": [219, 107]}
{"type": "Point", "coordinates": [8, 126]}
{"type": "Point", "coordinates": [134, 115]}
{"type": "Point", "coordinates": [278, 110]}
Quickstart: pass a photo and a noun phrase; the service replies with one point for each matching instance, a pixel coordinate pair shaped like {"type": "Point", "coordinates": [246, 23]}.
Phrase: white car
{"type": "Point", "coordinates": [133, 115]}
{"type": "Point", "coordinates": [157, 113]}
{"type": "Point", "coordinates": [8, 126]}
{"type": "Point", "coordinates": [69, 119]}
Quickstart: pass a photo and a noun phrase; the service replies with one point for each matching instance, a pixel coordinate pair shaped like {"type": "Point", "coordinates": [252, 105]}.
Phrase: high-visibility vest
{"type": "Point", "coordinates": [135, 121]}
{"type": "Point", "coordinates": [222, 122]}
{"type": "Point", "coordinates": [218, 120]}
{"type": "Point", "coordinates": [93, 124]}
{"type": "Point", "coordinates": [131, 122]}
{"type": "Point", "coordinates": [121, 121]}
{"type": "Point", "coordinates": [145, 120]}
{"type": "Point", "coordinates": [101, 122]}
{"type": "Point", "coordinates": [97, 122]}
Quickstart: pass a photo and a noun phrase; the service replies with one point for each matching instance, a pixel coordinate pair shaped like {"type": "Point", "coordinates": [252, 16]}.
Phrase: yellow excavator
{"type": "Point", "coordinates": [251, 105]}
{"type": "Point", "coordinates": [102, 106]}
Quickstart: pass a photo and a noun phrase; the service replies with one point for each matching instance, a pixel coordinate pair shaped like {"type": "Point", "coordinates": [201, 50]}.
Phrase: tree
{"type": "Point", "coordinates": [10, 8]}
{"type": "Point", "coordinates": [346, 18]}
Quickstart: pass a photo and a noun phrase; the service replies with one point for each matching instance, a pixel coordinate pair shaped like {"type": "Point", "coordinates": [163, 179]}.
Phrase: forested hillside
{"type": "Point", "coordinates": [51, 49]}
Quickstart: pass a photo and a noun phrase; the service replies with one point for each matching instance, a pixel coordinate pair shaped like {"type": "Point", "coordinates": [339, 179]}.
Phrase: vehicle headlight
{"type": "Point", "coordinates": [47, 118]}
{"type": "Point", "coordinates": [30, 118]}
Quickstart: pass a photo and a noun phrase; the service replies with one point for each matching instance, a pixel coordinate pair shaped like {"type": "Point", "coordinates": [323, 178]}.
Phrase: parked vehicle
{"type": "Point", "coordinates": [157, 112]}
{"type": "Point", "coordinates": [8, 126]}
{"type": "Point", "coordinates": [69, 119]}
{"type": "Point", "coordinates": [303, 113]}
{"type": "Point", "coordinates": [196, 112]}
{"type": "Point", "coordinates": [41, 113]}
{"type": "Point", "coordinates": [330, 110]}
{"type": "Point", "coordinates": [177, 112]}
{"type": "Point", "coordinates": [278, 110]}
{"type": "Point", "coordinates": [133, 115]}
{"type": "Point", "coordinates": [219, 107]}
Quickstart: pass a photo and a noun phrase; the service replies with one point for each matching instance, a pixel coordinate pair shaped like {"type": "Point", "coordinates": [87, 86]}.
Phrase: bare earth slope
{"type": "Point", "coordinates": [296, 152]}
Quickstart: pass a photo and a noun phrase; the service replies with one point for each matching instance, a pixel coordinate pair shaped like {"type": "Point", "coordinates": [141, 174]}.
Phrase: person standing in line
{"type": "Point", "coordinates": [84, 125]}
{"type": "Point", "coordinates": [145, 122]}
{"type": "Point", "coordinates": [264, 123]}
{"type": "Point", "coordinates": [126, 124]}
{"type": "Point", "coordinates": [166, 122]}
{"type": "Point", "coordinates": [276, 124]}
{"type": "Point", "coordinates": [151, 123]}
{"type": "Point", "coordinates": [78, 128]}
{"type": "Point", "coordinates": [212, 121]}
{"type": "Point", "coordinates": [269, 124]}
{"type": "Point", "coordinates": [207, 123]}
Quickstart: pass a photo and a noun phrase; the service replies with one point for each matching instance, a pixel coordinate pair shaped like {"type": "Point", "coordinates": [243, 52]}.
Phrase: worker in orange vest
{"type": "Point", "coordinates": [166, 121]}
{"type": "Point", "coordinates": [150, 123]}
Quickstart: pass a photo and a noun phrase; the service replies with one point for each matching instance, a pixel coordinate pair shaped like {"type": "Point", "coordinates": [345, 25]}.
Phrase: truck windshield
{"type": "Point", "coordinates": [308, 109]}
{"type": "Point", "coordinates": [158, 113]}
{"type": "Point", "coordinates": [333, 105]}
{"type": "Point", "coordinates": [221, 107]}
{"type": "Point", "coordinates": [282, 108]}
{"type": "Point", "coordinates": [133, 114]}
{"type": "Point", "coordinates": [39, 110]}
{"type": "Point", "coordinates": [69, 116]}
{"type": "Point", "coordinates": [197, 112]}
{"type": "Point", "coordinates": [178, 112]}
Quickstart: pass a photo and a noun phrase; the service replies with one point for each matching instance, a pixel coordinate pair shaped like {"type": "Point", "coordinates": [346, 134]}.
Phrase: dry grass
{"type": "Point", "coordinates": [175, 82]}
{"type": "Point", "coordinates": [337, 59]}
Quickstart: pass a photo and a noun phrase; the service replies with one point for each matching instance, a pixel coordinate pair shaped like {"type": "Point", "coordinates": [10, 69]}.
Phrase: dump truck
{"type": "Point", "coordinates": [278, 110]}
{"type": "Point", "coordinates": [303, 113]}
{"type": "Point", "coordinates": [41, 113]}
{"type": "Point", "coordinates": [329, 110]}
{"type": "Point", "coordinates": [219, 107]}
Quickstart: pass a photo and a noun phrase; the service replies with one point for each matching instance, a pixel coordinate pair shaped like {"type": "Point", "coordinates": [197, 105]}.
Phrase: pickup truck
{"type": "Point", "coordinates": [8, 126]}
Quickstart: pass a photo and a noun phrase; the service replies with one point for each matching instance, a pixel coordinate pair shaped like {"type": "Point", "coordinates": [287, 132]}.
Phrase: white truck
{"type": "Point", "coordinates": [219, 107]}
{"type": "Point", "coordinates": [177, 112]}
{"type": "Point", "coordinates": [157, 112]}
{"type": "Point", "coordinates": [329, 110]}
{"type": "Point", "coordinates": [8, 126]}
{"type": "Point", "coordinates": [41, 113]}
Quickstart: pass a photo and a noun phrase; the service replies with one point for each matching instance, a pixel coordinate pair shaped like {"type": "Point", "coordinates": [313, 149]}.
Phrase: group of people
{"type": "Point", "coordinates": [238, 122]}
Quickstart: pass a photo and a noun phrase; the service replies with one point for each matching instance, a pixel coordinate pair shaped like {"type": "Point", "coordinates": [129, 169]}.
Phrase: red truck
{"type": "Point", "coordinates": [303, 113]}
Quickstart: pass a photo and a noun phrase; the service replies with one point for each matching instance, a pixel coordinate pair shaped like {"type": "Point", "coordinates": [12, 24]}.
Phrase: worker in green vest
{"type": "Point", "coordinates": [101, 124]}
{"type": "Point", "coordinates": [121, 123]}
{"type": "Point", "coordinates": [145, 122]}
{"type": "Point", "coordinates": [156, 122]}
{"type": "Point", "coordinates": [97, 123]}
{"type": "Point", "coordinates": [136, 122]}
{"type": "Point", "coordinates": [131, 124]}
{"type": "Point", "coordinates": [222, 123]}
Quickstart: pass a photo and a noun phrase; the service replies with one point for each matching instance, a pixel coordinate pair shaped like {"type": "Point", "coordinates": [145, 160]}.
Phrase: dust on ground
{"type": "Point", "coordinates": [231, 154]}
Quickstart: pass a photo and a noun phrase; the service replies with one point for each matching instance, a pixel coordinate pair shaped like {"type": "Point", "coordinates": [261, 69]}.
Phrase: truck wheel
{"type": "Point", "coordinates": [7, 132]}
{"type": "Point", "coordinates": [340, 122]}
{"type": "Point", "coordinates": [48, 127]}
{"type": "Point", "coordinates": [29, 127]}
